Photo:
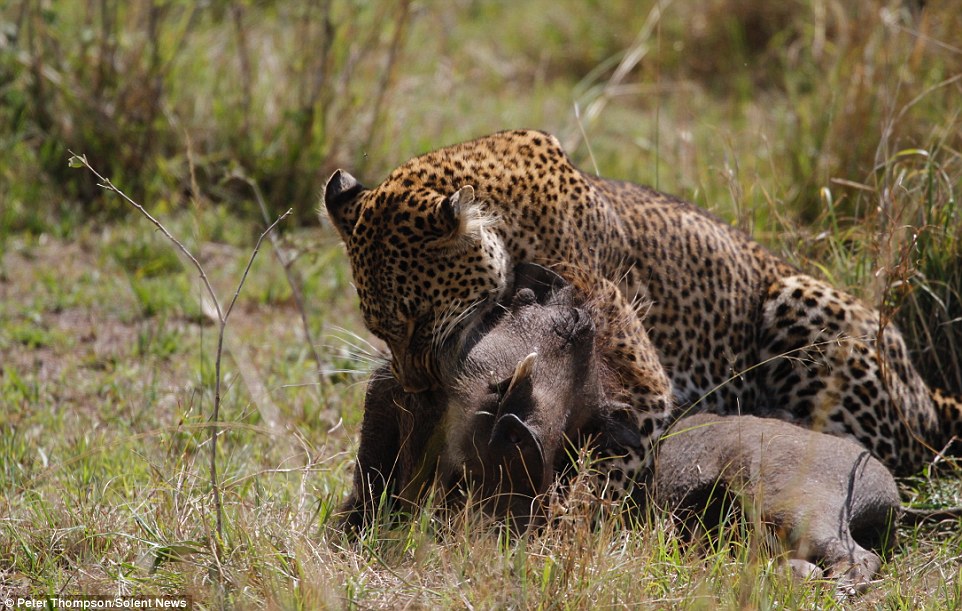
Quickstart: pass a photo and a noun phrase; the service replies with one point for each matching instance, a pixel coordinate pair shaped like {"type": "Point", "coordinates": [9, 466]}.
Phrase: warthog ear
{"type": "Point", "coordinates": [540, 280]}
{"type": "Point", "coordinates": [340, 199]}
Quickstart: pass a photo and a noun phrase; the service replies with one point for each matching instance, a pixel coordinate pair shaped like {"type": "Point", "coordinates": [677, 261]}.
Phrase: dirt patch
{"type": "Point", "coordinates": [72, 327]}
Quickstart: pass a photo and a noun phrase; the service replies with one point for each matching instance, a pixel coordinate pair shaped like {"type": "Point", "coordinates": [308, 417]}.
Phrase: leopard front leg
{"type": "Point", "coordinates": [398, 450]}
{"type": "Point", "coordinates": [640, 384]}
{"type": "Point", "coordinates": [828, 363]}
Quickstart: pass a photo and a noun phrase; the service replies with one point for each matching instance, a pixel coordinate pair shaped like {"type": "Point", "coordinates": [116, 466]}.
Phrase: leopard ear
{"type": "Point", "coordinates": [452, 214]}
{"type": "Point", "coordinates": [341, 201]}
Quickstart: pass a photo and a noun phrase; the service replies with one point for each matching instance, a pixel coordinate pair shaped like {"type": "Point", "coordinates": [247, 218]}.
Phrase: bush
{"type": "Point", "coordinates": [145, 89]}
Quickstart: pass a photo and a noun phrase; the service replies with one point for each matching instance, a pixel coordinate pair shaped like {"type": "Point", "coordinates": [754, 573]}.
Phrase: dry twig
{"type": "Point", "coordinates": [80, 161]}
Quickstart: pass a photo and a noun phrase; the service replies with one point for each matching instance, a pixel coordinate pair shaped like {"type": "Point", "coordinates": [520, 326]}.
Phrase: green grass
{"type": "Point", "coordinates": [829, 130]}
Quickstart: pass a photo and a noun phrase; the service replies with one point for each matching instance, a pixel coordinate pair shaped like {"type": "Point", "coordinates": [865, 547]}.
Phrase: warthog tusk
{"type": "Point", "coordinates": [522, 372]}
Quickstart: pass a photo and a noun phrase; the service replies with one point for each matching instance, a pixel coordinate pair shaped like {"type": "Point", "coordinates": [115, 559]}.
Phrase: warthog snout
{"type": "Point", "coordinates": [523, 387]}
{"type": "Point", "coordinates": [507, 457]}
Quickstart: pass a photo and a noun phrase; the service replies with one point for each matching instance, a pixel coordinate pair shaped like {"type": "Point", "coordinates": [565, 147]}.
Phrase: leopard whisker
{"type": "Point", "coordinates": [352, 354]}
{"type": "Point", "coordinates": [361, 344]}
{"type": "Point", "coordinates": [450, 325]}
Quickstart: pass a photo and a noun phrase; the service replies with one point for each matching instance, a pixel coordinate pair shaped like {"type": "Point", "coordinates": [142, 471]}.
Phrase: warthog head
{"type": "Point", "coordinates": [528, 381]}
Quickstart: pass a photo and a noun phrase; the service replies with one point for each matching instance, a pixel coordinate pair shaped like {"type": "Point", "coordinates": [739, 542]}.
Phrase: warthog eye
{"type": "Point", "coordinates": [499, 388]}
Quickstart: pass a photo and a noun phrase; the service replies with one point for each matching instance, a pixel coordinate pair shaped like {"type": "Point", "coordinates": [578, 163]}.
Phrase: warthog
{"type": "Point", "coordinates": [825, 496]}
{"type": "Point", "coordinates": [490, 423]}
{"type": "Point", "coordinates": [531, 380]}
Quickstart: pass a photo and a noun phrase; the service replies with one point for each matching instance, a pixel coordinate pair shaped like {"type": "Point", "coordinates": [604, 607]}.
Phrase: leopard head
{"type": "Point", "coordinates": [425, 260]}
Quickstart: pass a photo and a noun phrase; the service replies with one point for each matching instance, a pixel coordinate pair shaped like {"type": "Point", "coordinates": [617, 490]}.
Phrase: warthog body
{"type": "Point", "coordinates": [531, 380]}
{"type": "Point", "coordinates": [827, 497]}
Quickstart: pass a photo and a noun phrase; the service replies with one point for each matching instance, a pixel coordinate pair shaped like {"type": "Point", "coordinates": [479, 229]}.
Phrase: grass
{"type": "Point", "coordinates": [829, 130]}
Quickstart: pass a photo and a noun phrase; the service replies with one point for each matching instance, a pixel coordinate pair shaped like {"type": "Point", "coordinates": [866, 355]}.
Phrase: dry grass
{"type": "Point", "coordinates": [830, 130]}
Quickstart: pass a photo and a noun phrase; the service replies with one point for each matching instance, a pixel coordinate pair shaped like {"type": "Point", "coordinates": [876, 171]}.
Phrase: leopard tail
{"type": "Point", "coordinates": [949, 407]}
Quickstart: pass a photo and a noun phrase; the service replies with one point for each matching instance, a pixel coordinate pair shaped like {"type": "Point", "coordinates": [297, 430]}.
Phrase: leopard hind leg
{"type": "Point", "coordinates": [829, 364]}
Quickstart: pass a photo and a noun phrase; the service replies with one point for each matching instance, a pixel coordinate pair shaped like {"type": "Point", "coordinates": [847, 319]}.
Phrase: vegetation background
{"type": "Point", "coordinates": [830, 130]}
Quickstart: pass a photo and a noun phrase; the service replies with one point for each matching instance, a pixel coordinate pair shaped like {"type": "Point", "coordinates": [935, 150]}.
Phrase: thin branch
{"type": "Point", "coordinates": [81, 161]}
{"type": "Point", "coordinates": [250, 262]}
{"type": "Point", "coordinates": [215, 416]}
{"type": "Point", "coordinates": [78, 161]}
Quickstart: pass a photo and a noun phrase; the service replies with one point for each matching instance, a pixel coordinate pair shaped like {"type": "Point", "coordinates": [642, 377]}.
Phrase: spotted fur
{"type": "Point", "coordinates": [736, 328]}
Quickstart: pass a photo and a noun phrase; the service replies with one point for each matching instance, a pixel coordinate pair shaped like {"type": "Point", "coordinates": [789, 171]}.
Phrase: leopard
{"type": "Point", "coordinates": [736, 328]}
